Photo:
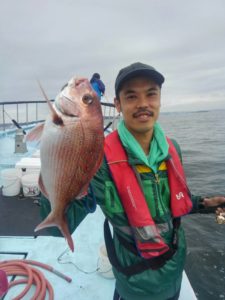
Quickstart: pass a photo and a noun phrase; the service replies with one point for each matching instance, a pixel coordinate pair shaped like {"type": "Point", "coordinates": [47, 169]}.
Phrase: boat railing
{"type": "Point", "coordinates": [29, 112]}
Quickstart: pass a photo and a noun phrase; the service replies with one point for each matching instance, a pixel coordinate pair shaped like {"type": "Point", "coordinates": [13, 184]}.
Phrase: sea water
{"type": "Point", "coordinates": [201, 136]}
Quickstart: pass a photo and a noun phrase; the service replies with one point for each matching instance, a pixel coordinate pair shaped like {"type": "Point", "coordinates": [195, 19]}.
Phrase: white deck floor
{"type": "Point", "coordinates": [88, 238]}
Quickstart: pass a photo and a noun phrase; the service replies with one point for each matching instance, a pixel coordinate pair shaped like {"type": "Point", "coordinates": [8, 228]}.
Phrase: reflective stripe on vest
{"type": "Point", "coordinates": [147, 238]}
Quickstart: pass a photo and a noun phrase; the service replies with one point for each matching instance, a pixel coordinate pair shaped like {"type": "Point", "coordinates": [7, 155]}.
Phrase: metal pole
{"type": "Point", "coordinates": [17, 113]}
{"type": "Point", "coordinates": [36, 111]}
{"type": "Point", "coordinates": [3, 117]}
{"type": "Point", "coordinates": [27, 112]}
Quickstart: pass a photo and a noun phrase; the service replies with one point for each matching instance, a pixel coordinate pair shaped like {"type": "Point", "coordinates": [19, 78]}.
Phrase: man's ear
{"type": "Point", "coordinates": [117, 104]}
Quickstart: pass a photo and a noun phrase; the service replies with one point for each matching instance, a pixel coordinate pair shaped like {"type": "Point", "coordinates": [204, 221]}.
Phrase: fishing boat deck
{"type": "Point", "coordinates": [19, 216]}
{"type": "Point", "coordinates": [81, 266]}
{"type": "Point", "coordinates": [86, 281]}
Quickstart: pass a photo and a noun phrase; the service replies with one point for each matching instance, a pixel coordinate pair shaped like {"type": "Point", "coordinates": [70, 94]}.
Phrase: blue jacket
{"type": "Point", "coordinates": [98, 86]}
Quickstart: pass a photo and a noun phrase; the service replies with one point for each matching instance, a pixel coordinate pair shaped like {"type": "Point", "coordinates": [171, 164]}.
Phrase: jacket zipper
{"type": "Point", "coordinates": [159, 199]}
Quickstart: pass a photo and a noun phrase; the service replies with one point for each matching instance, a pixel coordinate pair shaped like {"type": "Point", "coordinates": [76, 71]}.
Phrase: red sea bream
{"type": "Point", "coordinates": [71, 150]}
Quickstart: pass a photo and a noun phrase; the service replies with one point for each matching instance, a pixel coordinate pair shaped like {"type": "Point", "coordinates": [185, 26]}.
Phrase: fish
{"type": "Point", "coordinates": [71, 149]}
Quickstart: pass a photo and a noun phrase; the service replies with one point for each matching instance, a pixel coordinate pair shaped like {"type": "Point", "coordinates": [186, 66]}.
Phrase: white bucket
{"type": "Point", "coordinates": [11, 182]}
{"type": "Point", "coordinates": [30, 185]}
{"type": "Point", "coordinates": [104, 266]}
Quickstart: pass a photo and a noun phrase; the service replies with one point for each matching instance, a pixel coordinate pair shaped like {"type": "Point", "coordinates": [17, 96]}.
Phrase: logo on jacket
{"type": "Point", "coordinates": [179, 196]}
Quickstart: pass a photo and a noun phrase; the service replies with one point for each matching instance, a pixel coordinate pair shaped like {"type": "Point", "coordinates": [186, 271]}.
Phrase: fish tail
{"type": "Point", "coordinates": [50, 221]}
{"type": "Point", "coordinates": [65, 232]}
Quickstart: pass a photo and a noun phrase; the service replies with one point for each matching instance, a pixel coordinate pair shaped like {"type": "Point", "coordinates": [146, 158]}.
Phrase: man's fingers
{"type": "Point", "coordinates": [214, 201]}
{"type": "Point", "coordinates": [219, 210]}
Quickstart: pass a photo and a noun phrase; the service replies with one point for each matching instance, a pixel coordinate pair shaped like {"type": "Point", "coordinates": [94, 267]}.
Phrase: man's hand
{"type": "Point", "coordinates": [220, 210]}
{"type": "Point", "coordinates": [213, 201]}
{"type": "Point", "coordinates": [220, 215]}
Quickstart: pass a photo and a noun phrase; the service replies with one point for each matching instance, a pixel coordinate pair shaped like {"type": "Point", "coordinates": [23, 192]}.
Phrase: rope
{"type": "Point", "coordinates": [3, 283]}
{"type": "Point", "coordinates": [33, 277]}
{"type": "Point", "coordinates": [63, 260]}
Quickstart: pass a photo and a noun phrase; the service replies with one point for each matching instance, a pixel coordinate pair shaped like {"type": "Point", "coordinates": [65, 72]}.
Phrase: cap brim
{"type": "Point", "coordinates": [152, 74]}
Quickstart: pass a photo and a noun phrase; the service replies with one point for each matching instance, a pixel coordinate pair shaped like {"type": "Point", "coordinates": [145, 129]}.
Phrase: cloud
{"type": "Point", "coordinates": [53, 40]}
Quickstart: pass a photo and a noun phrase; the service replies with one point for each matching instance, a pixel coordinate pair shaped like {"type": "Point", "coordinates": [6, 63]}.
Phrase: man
{"type": "Point", "coordinates": [98, 85]}
{"type": "Point", "coordinates": [142, 191]}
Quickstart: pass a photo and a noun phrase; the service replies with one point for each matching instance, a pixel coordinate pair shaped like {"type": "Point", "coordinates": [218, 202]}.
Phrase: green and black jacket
{"type": "Point", "coordinates": [150, 284]}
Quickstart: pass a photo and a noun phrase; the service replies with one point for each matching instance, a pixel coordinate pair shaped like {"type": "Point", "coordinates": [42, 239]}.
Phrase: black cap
{"type": "Point", "coordinates": [137, 69]}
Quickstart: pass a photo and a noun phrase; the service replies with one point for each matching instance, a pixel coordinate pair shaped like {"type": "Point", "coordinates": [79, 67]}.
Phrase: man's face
{"type": "Point", "coordinates": [139, 102]}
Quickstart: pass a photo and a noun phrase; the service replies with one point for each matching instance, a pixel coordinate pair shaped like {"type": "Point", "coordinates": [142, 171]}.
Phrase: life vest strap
{"type": "Point", "coordinates": [152, 263]}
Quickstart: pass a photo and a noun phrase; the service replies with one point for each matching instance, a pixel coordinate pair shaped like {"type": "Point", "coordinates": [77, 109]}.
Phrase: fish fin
{"type": "Point", "coordinates": [42, 187]}
{"type": "Point", "coordinates": [35, 133]}
{"type": "Point", "coordinates": [55, 117]}
{"type": "Point", "coordinates": [51, 221]}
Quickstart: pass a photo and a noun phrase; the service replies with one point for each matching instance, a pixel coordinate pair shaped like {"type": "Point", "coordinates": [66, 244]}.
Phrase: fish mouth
{"type": "Point", "coordinates": [80, 81]}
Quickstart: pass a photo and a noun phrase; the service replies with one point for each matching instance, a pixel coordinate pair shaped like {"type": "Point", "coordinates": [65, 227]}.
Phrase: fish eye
{"type": "Point", "coordinates": [87, 99]}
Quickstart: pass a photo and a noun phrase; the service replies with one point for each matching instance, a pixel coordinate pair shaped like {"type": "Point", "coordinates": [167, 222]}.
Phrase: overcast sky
{"type": "Point", "coordinates": [52, 40]}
